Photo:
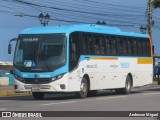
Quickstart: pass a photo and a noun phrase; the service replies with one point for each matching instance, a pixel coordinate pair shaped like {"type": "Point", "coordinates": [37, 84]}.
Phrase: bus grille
{"type": "Point", "coordinates": [37, 81]}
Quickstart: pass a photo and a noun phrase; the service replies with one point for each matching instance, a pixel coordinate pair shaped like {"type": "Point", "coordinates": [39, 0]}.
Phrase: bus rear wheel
{"type": "Point", "coordinates": [83, 89]}
{"type": "Point", "coordinates": [38, 95]}
{"type": "Point", "coordinates": [127, 89]}
{"type": "Point", "coordinates": [128, 86]}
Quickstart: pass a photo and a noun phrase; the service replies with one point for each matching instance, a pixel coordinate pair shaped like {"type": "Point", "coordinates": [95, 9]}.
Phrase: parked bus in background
{"type": "Point", "coordinates": [81, 59]}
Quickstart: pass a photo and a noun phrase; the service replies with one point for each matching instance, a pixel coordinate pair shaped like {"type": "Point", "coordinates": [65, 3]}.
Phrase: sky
{"type": "Point", "coordinates": [126, 12]}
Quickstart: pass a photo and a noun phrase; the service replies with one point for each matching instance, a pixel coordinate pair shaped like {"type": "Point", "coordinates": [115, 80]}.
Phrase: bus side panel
{"type": "Point", "coordinates": [106, 73]}
{"type": "Point", "coordinates": [143, 72]}
{"type": "Point", "coordinates": [110, 73]}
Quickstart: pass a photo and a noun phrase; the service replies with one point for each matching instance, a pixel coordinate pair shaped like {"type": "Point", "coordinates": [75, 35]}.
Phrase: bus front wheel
{"type": "Point", "coordinates": [38, 95]}
{"type": "Point", "coordinates": [83, 89]}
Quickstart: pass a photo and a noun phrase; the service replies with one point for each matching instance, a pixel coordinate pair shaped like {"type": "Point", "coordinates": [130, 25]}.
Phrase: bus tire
{"type": "Point", "coordinates": [83, 89]}
{"type": "Point", "coordinates": [128, 86]}
{"type": "Point", "coordinates": [38, 95]}
{"type": "Point", "coordinates": [92, 93]}
{"type": "Point", "coordinates": [127, 89]}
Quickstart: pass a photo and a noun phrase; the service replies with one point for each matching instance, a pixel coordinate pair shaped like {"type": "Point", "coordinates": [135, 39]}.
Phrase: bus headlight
{"type": "Point", "coordinates": [57, 77]}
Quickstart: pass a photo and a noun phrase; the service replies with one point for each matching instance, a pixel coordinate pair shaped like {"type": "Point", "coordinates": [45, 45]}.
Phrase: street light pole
{"type": "Point", "coordinates": [44, 19]}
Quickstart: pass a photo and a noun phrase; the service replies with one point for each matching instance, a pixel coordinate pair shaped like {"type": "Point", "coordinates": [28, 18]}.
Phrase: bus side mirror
{"type": "Point", "coordinates": [9, 48]}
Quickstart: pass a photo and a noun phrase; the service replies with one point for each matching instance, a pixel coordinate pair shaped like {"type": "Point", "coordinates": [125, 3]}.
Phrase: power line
{"type": "Point", "coordinates": [113, 20]}
{"type": "Point", "coordinates": [113, 5]}
{"type": "Point", "coordinates": [28, 3]}
{"type": "Point", "coordinates": [69, 10]}
{"type": "Point", "coordinates": [88, 15]}
{"type": "Point", "coordinates": [80, 5]}
{"type": "Point", "coordinates": [52, 8]}
{"type": "Point", "coordinates": [113, 14]}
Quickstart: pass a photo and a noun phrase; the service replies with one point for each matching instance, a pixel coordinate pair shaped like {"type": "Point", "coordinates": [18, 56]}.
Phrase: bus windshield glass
{"type": "Point", "coordinates": [40, 52]}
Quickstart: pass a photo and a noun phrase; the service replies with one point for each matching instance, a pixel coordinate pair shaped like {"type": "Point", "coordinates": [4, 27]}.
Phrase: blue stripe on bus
{"type": "Point", "coordinates": [59, 71]}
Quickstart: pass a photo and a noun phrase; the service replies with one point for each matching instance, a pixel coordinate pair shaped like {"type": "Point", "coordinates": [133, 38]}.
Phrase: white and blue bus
{"type": "Point", "coordinates": [81, 59]}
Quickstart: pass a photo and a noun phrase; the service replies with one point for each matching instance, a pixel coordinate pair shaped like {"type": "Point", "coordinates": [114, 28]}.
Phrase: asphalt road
{"type": "Point", "coordinates": [145, 98]}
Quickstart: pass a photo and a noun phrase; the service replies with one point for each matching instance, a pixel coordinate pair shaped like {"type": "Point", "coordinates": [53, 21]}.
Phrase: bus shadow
{"type": "Point", "coordinates": [144, 90]}
{"type": "Point", "coordinates": [67, 96]}
{"type": "Point", "coordinates": [154, 89]}
{"type": "Point", "coordinates": [73, 96]}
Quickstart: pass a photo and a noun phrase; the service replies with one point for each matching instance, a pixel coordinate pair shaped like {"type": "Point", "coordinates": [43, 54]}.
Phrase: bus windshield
{"type": "Point", "coordinates": [40, 52]}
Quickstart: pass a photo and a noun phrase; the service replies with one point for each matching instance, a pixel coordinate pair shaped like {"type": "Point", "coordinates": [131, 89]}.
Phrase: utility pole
{"type": "Point", "coordinates": [150, 23]}
{"type": "Point", "coordinates": [1, 50]}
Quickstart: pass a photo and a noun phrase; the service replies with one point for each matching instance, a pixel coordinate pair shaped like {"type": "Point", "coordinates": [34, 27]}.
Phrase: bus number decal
{"type": "Point", "coordinates": [92, 66]}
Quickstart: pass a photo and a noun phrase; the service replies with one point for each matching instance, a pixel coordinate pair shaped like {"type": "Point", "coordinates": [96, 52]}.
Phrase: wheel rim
{"type": "Point", "coordinates": [83, 88]}
{"type": "Point", "coordinates": [128, 86]}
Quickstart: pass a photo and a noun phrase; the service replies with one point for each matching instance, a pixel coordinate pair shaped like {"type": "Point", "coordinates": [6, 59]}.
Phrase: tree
{"type": "Point", "coordinates": [156, 3]}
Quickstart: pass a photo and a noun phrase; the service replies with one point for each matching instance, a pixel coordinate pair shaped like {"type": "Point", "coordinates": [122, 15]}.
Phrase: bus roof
{"type": "Point", "coordinates": [81, 28]}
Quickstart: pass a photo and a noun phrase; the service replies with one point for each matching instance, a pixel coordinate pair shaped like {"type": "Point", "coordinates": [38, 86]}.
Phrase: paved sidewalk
{"type": "Point", "coordinates": [9, 90]}
{"type": "Point", "coordinates": [6, 88]}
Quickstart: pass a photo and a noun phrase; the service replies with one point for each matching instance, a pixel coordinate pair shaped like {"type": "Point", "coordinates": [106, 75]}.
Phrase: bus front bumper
{"type": "Point", "coordinates": [21, 87]}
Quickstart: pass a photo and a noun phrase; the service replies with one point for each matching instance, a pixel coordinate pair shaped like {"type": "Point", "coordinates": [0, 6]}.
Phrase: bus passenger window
{"type": "Point", "coordinates": [148, 48]}
{"type": "Point", "coordinates": [120, 46]}
{"type": "Point", "coordinates": [73, 55]}
{"type": "Point", "coordinates": [113, 46]}
{"type": "Point", "coordinates": [129, 47]}
{"type": "Point", "coordinates": [108, 45]}
{"type": "Point", "coordinates": [84, 45]}
{"type": "Point", "coordinates": [140, 52]}
{"type": "Point", "coordinates": [98, 45]}
{"type": "Point", "coordinates": [101, 44]}
{"type": "Point", "coordinates": [124, 46]}
{"type": "Point", "coordinates": [135, 52]}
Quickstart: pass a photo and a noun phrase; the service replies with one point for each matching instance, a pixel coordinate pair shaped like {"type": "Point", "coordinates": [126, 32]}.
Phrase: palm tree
{"type": "Point", "coordinates": [156, 3]}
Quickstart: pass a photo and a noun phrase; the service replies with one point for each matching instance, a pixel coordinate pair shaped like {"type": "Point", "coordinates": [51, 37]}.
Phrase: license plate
{"type": "Point", "coordinates": [35, 87]}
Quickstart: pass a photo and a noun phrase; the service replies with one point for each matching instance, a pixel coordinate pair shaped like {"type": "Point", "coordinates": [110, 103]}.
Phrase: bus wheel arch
{"type": "Point", "coordinates": [84, 87]}
{"type": "Point", "coordinates": [91, 93]}
{"type": "Point", "coordinates": [86, 76]}
{"type": "Point", "coordinates": [128, 85]}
